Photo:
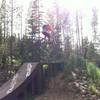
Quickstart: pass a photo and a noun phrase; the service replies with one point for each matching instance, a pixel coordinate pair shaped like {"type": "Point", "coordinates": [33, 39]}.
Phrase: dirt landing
{"type": "Point", "coordinates": [57, 90]}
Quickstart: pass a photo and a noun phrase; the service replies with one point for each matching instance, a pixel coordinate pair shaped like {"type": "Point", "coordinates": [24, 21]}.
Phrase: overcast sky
{"type": "Point", "coordinates": [85, 6]}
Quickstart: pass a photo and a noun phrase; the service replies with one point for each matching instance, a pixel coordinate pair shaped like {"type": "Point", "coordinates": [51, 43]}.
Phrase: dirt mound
{"type": "Point", "coordinates": [58, 90]}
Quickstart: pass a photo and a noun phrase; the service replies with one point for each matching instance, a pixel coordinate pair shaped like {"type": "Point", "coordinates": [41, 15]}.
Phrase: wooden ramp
{"type": "Point", "coordinates": [12, 89]}
{"type": "Point", "coordinates": [29, 80]}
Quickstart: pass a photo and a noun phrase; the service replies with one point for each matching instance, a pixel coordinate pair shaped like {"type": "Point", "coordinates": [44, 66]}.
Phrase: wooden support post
{"type": "Point", "coordinates": [21, 96]}
{"type": "Point", "coordinates": [33, 87]}
{"type": "Point", "coordinates": [40, 80]}
{"type": "Point", "coordinates": [25, 94]}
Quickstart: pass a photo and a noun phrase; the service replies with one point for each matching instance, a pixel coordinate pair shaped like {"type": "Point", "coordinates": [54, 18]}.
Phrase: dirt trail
{"type": "Point", "coordinates": [57, 91]}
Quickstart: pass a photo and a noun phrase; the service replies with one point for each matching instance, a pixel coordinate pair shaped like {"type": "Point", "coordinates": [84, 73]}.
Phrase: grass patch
{"type": "Point", "coordinates": [93, 72]}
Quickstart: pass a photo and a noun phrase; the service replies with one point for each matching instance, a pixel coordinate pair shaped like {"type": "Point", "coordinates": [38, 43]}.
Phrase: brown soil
{"type": "Point", "coordinates": [58, 90]}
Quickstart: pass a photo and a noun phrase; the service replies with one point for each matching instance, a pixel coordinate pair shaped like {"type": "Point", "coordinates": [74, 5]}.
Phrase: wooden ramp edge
{"type": "Point", "coordinates": [18, 79]}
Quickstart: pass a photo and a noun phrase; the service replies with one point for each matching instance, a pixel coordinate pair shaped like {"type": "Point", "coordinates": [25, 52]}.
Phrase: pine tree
{"type": "Point", "coordinates": [94, 25]}
{"type": "Point", "coordinates": [33, 21]}
{"type": "Point", "coordinates": [56, 53]}
{"type": "Point", "coordinates": [33, 30]}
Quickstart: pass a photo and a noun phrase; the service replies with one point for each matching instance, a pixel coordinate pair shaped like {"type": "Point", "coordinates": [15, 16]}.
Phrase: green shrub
{"type": "Point", "coordinates": [75, 61]}
{"type": "Point", "coordinates": [93, 71]}
{"type": "Point", "coordinates": [45, 66]}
